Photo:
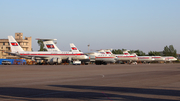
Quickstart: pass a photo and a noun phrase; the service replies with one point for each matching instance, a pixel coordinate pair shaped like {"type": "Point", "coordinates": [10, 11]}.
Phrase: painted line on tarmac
{"type": "Point", "coordinates": [106, 96]}
{"type": "Point", "coordinates": [102, 75]}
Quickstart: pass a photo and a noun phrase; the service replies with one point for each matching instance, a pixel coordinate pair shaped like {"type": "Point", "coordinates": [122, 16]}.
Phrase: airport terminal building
{"type": "Point", "coordinates": [25, 43]}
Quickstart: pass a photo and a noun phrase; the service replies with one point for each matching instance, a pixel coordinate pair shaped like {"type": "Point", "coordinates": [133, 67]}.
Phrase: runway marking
{"type": "Point", "coordinates": [106, 96]}
{"type": "Point", "coordinates": [102, 75]}
{"type": "Point", "coordinates": [44, 94]}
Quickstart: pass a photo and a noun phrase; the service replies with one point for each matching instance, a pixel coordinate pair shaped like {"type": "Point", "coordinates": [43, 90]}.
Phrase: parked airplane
{"type": "Point", "coordinates": [158, 58]}
{"type": "Point", "coordinates": [51, 46]}
{"type": "Point", "coordinates": [169, 58]}
{"type": "Point", "coordinates": [164, 58]}
{"type": "Point", "coordinates": [50, 57]}
{"type": "Point", "coordinates": [155, 58]}
{"type": "Point", "coordinates": [126, 57]}
{"type": "Point", "coordinates": [99, 57]}
{"type": "Point", "coordinates": [102, 57]}
{"type": "Point", "coordinates": [145, 59]}
{"type": "Point", "coordinates": [140, 58]}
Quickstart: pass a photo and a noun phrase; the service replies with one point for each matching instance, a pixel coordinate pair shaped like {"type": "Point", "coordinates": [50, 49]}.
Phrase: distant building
{"type": "Point", "coordinates": [26, 45]}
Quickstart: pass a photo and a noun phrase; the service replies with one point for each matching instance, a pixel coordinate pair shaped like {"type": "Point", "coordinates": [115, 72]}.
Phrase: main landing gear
{"type": "Point", "coordinates": [100, 63]}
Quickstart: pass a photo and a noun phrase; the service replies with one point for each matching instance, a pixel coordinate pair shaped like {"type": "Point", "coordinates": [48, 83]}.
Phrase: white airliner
{"type": "Point", "coordinates": [103, 57]}
{"type": "Point", "coordinates": [164, 58]}
{"type": "Point", "coordinates": [145, 59]}
{"type": "Point", "coordinates": [127, 57]}
{"type": "Point", "coordinates": [50, 57]}
{"type": "Point", "coordinates": [158, 58]}
{"type": "Point", "coordinates": [169, 58]}
{"type": "Point", "coordinates": [51, 46]}
{"type": "Point", "coordinates": [155, 58]}
{"type": "Point", "coordinates": [100, 57]}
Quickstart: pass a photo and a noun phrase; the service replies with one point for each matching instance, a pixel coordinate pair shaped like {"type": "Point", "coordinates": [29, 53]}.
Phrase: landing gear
{"type": "Point", "coordinates": [100, 63]}
{"type": "Point", "coordinates": [105, 63]}
{"type": "Point", "coordinates": [69, 59]}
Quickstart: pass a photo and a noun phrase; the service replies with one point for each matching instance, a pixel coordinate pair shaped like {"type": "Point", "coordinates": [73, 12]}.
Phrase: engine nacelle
{"type": "Point", "coordinates": [33, 58]}
{"type": "Point", "coordinates": [69, 59]}
{"type": "Point", "coordinates": [55, 60]}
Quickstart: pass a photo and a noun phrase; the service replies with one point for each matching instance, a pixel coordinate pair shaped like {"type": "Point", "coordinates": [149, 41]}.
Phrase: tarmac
{"type": "Point", "coordinates": [142, 82]}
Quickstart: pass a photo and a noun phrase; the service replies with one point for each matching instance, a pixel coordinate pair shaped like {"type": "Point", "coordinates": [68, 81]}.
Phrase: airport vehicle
{"type": "Point", "coordinates": [49, 57]}
{"type": "Point", "coordinates": [76, 62]}
{"type": "Point", "coordinates": [51, 47]}
{"type": "Point", "coordinates": [6, 62]}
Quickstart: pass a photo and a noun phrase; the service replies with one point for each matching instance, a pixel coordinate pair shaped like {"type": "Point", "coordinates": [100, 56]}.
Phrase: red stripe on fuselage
{"type": "Point", "coordinates": [156, 57]}
{"type": "Point", "coordinates": [125, 56]}
{"type": "Point", "coordinates": [169, 58]}
{"type": "Point", "coordinates": [143, 57]}
{"type": "Point", "coordinates": [104, 57]}
{"type": "Point", "coordinates": [51, 54]}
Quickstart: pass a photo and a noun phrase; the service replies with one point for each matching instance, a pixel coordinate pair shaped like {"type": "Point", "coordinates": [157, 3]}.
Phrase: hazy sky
{"type": "Point", "coordinates": [147, 25]}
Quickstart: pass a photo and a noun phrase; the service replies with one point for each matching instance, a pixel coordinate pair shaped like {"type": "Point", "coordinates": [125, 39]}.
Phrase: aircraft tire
{"type": "Point", "coordinates": [105, 63]}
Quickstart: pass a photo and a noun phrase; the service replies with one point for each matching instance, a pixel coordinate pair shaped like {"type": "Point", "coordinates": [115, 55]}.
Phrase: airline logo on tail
{"type": "Point", "coordinates": [50, 46]}
{"type": "Point", "coordinates": [108, 52]}
{"type": "Point", "coordinates": [126, 53]}
{"type": "Point", "coordinates": [14, 44]}
{"type": "Point", "coordinates": [74, 48]}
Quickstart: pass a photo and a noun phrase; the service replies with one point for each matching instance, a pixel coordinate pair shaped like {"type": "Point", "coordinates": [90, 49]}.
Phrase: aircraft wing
{"type": "Point", "coordinates": [17, 54]}
{"type": "Point", "coordinates": [28, 57]}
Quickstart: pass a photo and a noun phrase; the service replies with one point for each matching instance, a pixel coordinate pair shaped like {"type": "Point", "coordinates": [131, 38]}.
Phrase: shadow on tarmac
{"type": "Point", "coordinates": [42, 93]}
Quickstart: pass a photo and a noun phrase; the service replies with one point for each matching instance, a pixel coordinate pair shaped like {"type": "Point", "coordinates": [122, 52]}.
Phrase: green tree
{"type": "Point", "coordinates": [118, 51]}
{"type": "Point", "coordinates": [138, 52]}
{"type": "Point", "coordinates": [40, 43]}
{"type": "Point", "coordinates": [154, 53]}
{"type": "Point", "coordinates": [170, 51]}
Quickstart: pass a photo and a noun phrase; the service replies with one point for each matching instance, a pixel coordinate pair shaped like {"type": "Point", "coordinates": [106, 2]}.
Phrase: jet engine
{"type": "Point", "coordinates": [55, 60]}
{"type": "Point", "coordinates": [33, 58]}
{"type": "Point", "coordinates": [69, 59]}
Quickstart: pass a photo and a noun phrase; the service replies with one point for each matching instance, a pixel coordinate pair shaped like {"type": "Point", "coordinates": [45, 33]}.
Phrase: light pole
{"type": "Point", "coordinates": [88, 47]}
